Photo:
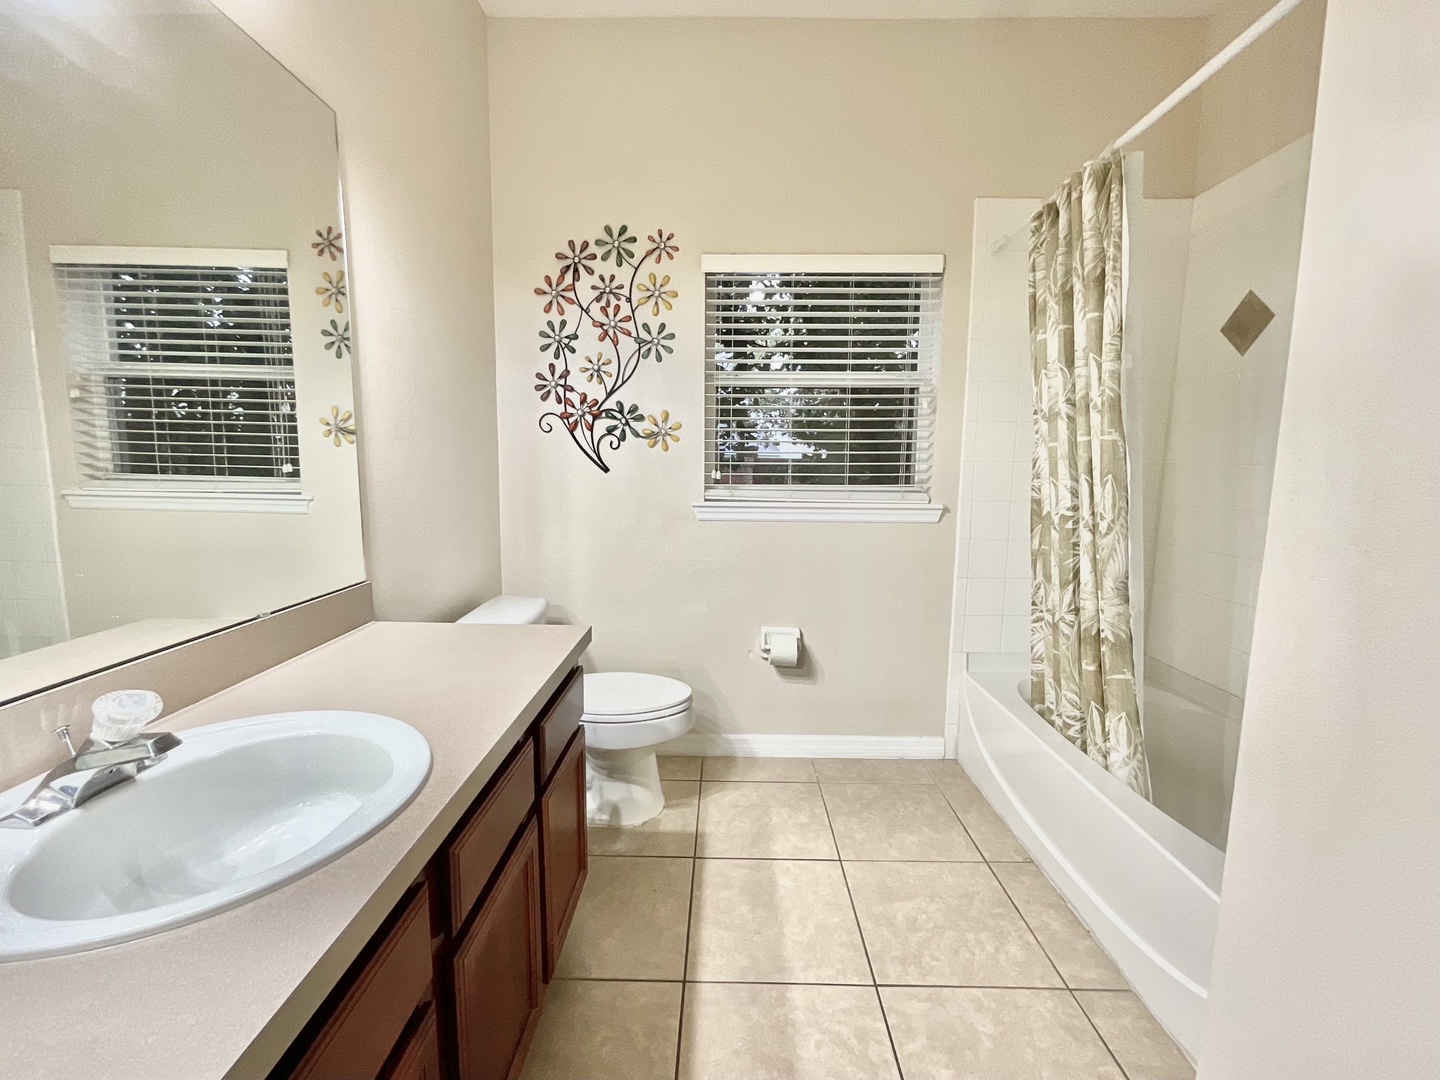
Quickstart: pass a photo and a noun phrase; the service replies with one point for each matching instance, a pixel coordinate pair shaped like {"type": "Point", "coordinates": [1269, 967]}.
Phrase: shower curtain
{"type": "Point", "coordinates": [1082, 665]}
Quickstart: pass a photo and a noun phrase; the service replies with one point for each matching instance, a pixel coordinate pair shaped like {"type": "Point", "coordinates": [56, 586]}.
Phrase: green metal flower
{"type": "Point", "coordinates": [653, 341]}
{"type": "Point", "coordinates": [619, 244]}
{"type": "Point", "coordinates": [556, 341]}
{"type": "Point", "coordinates": [337, 338]}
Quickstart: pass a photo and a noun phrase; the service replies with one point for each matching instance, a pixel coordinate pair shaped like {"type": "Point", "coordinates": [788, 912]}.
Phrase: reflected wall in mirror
{"type": "Point", "coordinates": [176, 408]}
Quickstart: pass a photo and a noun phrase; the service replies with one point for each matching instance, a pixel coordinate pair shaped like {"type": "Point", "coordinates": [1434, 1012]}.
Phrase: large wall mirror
{"type": "Point", "coordinates": [177, 430]}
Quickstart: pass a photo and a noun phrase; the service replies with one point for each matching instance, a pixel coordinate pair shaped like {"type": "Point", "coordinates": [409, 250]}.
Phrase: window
{"type": "Point", "coordinates": [182, 376]}
{"type": "Point", "coordinates": [820, 386]}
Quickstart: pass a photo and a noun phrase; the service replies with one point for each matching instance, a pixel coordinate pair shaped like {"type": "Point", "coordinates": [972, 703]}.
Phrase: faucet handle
{"type": "Point", "coordinates": [63, 734]}
{"type": "Point", "coordinates": [119, 716]}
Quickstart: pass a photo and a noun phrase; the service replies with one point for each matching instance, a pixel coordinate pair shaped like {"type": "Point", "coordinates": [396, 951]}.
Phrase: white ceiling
{"type": "Point", "coordinates": [847, 9]}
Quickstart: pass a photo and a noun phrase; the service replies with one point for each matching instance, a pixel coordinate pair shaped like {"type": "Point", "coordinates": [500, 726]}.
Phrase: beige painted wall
{"type": "Point", "coordinates": [408, 86]}
{"type": "Point", "coordinates": [1327, 960]}
{"type": "Point", "coordinates": [1263, 99]}
{"type": "Point", "coordinates": [770, 136]}
{"type": "Point", "coordinates": [81, 143]}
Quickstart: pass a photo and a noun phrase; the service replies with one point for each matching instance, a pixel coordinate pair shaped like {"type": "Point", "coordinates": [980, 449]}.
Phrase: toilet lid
{"type": "Point", "coordinates": [617, 696]}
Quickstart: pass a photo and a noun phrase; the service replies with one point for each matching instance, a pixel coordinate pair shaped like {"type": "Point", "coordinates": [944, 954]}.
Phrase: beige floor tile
{"type": "Point", "coordinates": [631, 920]}
{"type": "Point", "coordinates": [606, 1031]}
{"type": "Point", "coordinates": [763, 821]}
{"type": "Point", "coordinates": [946, 771]}
{"type": "Point", "coordinates": [773, 920]}
{"type": "Point", "coordinates": [896, 821]}
{"type": "Point", "coordinates": [1080, 959]}
{"type": "Point", "coordinates": [1135, 1037]}
{"type": "Point", "coordinates": [672, 833]}
{"type": "Point", "coordinates": [743, 1031]}
{"type": "Point", "coordinates": [795, 770]}
{"type": "Point", "coordinates": [872, 771]}
{"type": "Point", "coordinates": [678, 767]}
{"type": "Point", "coordinates": [993, 1034]}
{"type": "Point", "coordinates": [944, 924]}
{"type": "Point", "coordinates": [989, 831]}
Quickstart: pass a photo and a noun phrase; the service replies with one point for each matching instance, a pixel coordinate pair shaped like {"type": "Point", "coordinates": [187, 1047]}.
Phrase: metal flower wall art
{"type": "Point", "coordinates": [610, 293]}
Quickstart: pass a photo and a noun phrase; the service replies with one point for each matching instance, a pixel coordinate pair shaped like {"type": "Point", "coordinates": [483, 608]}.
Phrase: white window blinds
{"type": "Point", "coordinates": [820, 376]}
{"type": "Point", "coordinates": [182, 368]}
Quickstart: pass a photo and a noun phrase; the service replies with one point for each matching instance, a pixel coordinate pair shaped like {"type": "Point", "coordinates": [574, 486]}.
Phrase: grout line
{"type": "Point", "coordinates": [685, 962]}
{"type": "Point", "coordinates": [855, 914]}
{"type": "Point", "coordinates": [794, 982]}
{"type": "Point", "coordinates": [1064, 982]}
{"type": "Point", "coordinates": [1103, 1041]}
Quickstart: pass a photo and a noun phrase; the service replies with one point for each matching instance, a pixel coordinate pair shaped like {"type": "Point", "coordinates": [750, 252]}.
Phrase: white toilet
{"type": "Point", "coordinates": [627, 715]}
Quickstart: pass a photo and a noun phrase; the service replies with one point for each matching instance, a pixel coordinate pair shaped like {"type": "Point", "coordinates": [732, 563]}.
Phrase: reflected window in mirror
{"type": "Point", "coordinates": [182, 368]}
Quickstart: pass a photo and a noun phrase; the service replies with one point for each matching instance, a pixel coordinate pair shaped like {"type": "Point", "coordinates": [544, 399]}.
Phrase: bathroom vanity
{"type": "Point", "coordinates": [423, 952]}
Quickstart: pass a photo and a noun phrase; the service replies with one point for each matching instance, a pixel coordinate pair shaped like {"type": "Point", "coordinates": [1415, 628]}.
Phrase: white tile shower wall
{"type": "Point", "coordinates": [32, 607]}
{"type": "Point", "coordinates": [992, 549]}
{"type": "Point", "coordinates": [1219, 448]}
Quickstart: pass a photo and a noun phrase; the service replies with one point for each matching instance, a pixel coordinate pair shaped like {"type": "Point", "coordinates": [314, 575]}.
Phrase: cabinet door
{"type": "Point", "coordinates": [497, 969]}
{"type": "Point", "coordinates": [418, 1055]}
{"type": "Point", "coordinates": [563, 844]}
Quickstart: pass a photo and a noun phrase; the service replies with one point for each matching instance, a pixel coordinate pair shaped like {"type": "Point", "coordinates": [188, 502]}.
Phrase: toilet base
{"type": "Point", "coordinates": [622, 787]}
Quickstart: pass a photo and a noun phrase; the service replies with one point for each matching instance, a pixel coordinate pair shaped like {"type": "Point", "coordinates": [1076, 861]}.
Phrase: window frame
{"type": "Point", "coordinates": [820, 502]}
{"type": "Point", "coordinates": [245, 494]}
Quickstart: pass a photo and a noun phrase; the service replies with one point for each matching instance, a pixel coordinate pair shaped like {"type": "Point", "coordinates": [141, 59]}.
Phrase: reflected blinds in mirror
{"type": "Point", "coordinates": [180, 372]}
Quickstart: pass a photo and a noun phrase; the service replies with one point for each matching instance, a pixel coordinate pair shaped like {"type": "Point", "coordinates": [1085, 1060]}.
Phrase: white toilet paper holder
{"type": "Point", "coordinates": [769, 632]}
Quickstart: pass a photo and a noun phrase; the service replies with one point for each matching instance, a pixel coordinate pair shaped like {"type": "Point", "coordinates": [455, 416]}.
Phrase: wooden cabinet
{"type": "Point", "coordinates": [417, 1057]}
{"type": "Point", "coordinates": [375, 1002]}
{"type": "Point", "coordinates": [451, 985]}
{"type": "Point", "coordinates": [497, 969]}
{"type": "Point", "coordinates": [562, 845]}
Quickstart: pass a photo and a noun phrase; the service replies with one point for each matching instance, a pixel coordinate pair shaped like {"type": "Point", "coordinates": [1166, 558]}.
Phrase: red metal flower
{"type": "Point", "coordinates": [660, 245]}
{"type": "Point", "coordinates": [581, 413]}
{"type": "Point", "coordinates": [556, 383]}
{"type": "Point", "coordinates": [558, 292]}
{"type": "Point", "coordinates": [579, 258]}
{"type": "Point", "coordinates": [608, 289]}
{"type": "Point", "coordinates": [611, 323]}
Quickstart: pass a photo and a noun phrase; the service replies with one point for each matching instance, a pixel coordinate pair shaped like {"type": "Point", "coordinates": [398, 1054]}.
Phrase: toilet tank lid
{"type": "Point", "coordinates": [510, 610]}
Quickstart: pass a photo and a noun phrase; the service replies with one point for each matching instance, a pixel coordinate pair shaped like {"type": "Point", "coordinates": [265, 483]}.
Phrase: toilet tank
{"type": "Point", "coordinates": [510, 610]}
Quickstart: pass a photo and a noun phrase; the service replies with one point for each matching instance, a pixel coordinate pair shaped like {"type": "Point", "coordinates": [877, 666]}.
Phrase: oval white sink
{"type": "Point", "coordinates": [238, 809]}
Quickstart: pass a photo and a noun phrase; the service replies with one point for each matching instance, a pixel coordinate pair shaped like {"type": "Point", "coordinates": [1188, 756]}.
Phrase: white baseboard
{"type": "Point", "coordinates": [709, 744]}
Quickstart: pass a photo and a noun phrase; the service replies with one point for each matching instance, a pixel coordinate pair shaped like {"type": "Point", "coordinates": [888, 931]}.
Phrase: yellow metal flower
{"type": "Point", "coordinates": [333, 291]}
{"type": "Point", "coordinates": [660, 431]}
{"type": "Point", "coordinates": [655, 294]}
{"type": "Point", "coordinates": [338, 425]}
{"type": "Point", "coordinates": [595, 368]}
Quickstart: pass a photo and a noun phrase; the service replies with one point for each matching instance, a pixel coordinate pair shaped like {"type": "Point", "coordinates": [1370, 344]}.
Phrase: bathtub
{"type": "Point", "coordinates": [1147, 887]}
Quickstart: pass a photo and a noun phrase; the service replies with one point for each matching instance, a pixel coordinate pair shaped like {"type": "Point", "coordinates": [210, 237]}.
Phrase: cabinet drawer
{"type": "Point", "coordinates": [476, 852]}
{"type": "Point", "coordinates": [560, 721]}
{"type": "Point", "coordinates": [563, 847]}
{"type": "Point", "coordinates": [418, 1055]}
{"type": "Point", "coordinates": [361, 1033]}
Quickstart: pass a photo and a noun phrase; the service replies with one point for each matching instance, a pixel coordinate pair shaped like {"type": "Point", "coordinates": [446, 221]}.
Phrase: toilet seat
{"type": "Point", "coordinates": [630, 710]}
{"type": "Point", "coordinates": [628, 697]}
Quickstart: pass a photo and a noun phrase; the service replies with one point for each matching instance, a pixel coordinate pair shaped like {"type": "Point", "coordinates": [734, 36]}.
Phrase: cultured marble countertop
{"type": "Point", "coordinates": [227, 995]}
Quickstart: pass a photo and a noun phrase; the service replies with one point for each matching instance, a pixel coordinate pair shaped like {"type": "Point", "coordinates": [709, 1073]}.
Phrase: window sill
{"type": "Point", "coordinates": [916, 513]}
{"type": "Point", "coordinates": [212, 502]}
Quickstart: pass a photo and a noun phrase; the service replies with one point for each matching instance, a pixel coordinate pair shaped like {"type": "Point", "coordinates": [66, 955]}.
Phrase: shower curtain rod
{"type": "Point", "coordinates": [1184, 90]}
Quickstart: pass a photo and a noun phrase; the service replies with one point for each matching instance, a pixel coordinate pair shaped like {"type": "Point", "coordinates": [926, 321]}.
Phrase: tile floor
{"type": "Point", "coordinates": [787, 918]}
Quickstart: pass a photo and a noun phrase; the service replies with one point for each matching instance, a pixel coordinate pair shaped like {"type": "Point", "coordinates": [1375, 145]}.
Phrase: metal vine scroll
{"type": "Point", "coordinates": [595, 417]}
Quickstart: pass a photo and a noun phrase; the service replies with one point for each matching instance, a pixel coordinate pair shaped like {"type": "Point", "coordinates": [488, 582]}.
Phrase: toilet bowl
{"type": "Point", "coordinates": [627, 715]}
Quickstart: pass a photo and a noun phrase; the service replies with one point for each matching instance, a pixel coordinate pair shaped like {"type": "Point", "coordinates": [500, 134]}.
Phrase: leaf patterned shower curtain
{"type": "Point", "coordinates": [1082, 666]}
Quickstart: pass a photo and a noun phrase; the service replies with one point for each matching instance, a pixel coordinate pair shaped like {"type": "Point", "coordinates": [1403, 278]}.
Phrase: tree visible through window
{"type": "Point", "coordinates": [820, 383]}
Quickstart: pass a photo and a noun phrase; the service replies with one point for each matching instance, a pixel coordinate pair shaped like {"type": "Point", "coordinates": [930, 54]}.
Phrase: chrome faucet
{"type": "Point", "coordinates": [114, 753]}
